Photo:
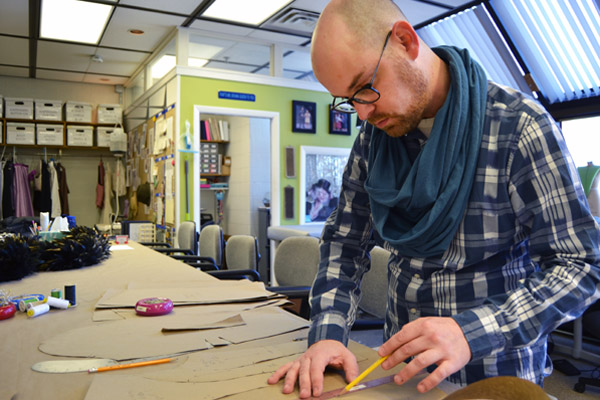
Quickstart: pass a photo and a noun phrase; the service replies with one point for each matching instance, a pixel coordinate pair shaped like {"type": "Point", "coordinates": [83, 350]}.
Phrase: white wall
{"type": "Point", "coordinates": [260, 168]}
{"type": "Point", "coordinates": [237, 200]}
{"type": "Point", "coordinates": [81, 166]}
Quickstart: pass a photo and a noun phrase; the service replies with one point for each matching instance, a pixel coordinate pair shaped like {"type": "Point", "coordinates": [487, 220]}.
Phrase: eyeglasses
{"type": "Point", "coordinates": [365, 95]}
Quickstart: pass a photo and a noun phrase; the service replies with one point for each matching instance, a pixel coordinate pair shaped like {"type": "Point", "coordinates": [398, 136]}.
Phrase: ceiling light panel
{"type": "Point", "coordinates": [73, 20]}
{"type": "Point", "coordinates": [244, 11]}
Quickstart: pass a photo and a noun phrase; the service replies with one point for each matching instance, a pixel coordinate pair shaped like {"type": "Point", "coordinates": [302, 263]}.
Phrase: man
{"type": "Point", "coordinates": [492, 241]}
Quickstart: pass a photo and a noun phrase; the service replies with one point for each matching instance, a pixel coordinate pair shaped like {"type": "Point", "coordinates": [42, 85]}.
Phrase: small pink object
{"type": "Point", "coordinates": [153, 306]}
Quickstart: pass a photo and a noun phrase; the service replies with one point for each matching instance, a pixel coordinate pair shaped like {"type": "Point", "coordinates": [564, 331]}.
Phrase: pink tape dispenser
{"type": "Point", "coordinates": [152, 306]}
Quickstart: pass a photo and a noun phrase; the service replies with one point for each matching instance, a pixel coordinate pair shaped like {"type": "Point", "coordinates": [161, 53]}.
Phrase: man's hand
{"type": "Point", "coordinates": [309, 368]}
{"type": "Point", "coordinates": [430, 340]}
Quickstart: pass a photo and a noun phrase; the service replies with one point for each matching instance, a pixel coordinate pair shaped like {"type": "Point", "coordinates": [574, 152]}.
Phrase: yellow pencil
{"type": "Point", "coordinates": [363, 375]}
{"type": "Point", "coordinates": [131, 365]}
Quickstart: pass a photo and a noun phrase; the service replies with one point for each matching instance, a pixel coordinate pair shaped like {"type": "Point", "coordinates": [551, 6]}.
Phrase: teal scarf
{"type": "Point", "coordinates": [418, 208]}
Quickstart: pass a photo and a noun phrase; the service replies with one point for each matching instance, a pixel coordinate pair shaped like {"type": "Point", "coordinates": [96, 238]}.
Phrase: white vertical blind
{"type": "Point", "coordinates": [559, 41]}
{"type": "Point", "coordinates": [473, 29]}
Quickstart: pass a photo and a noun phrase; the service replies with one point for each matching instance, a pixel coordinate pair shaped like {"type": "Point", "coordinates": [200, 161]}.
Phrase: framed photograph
{"type": "Point", "coordinates": [321, 170]}
{"type": "Point", "coordinates": [304, 116]}
{"type": "Point", "coordinates": [339, 122]}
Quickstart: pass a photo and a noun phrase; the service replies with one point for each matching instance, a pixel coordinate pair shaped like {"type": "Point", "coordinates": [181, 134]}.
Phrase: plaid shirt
{"type": "Point", "coordinates": [524, 259]}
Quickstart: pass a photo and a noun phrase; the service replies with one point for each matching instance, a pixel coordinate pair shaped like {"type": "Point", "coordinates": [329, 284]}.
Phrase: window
{"type": "Point", "coordinates": [583, 139]}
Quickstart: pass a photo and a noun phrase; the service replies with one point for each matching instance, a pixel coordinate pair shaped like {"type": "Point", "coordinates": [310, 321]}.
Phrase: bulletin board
{"type": "Point", "coordinates": [151, 161]}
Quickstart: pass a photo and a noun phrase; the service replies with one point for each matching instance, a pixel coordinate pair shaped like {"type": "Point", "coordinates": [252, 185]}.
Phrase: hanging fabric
{"type": "Point", "coordinates": [46, 196]}
{"type": "Point", "coordinates": [100, 186]}
{"type": "Point", "coordinates": [21, 193]}
{"type": "Point", "coordinates": [63, 188]}
{"type": "Point", "coordinates": [2, 162]}
{"type": "Point", "coordinates": [55, 211]}
{"type": "Point", "coordinates": [37, 188]}
{"type": "Point", "coordinates": [8, 209]}
{"type": "Point", "coordinates": [107, 210]}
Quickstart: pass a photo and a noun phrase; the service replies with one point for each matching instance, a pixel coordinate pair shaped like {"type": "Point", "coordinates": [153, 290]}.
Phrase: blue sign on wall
{"type": "Point", "coordinates": [236, 96]}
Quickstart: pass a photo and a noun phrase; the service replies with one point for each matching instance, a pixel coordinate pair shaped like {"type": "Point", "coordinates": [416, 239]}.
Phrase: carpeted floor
{"type": "Point", "coordinates": [558, 384]}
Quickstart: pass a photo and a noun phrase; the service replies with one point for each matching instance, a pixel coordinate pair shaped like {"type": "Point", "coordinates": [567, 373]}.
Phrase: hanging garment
{"type": "Point", "coordinates": [105, 217]}
{"type": "Point", "coordinates": [100, 186]}
{"type": "Point", "coordinates": [21, 193]}
{"type": "Point", "coordinates": [55, 211]}
{"type": "Point", "coordinates": [119, 184]}
{"type": "Point", "coordinates": [63, 188]}
{"type": "Point", "coordinates": [8, 209]}
{"type": "Point", "coordinates": [1, 184]}
{"type": "Point", "coordinates": [37, 188]}
{"type": "Point", "coordinates": [46, 196]}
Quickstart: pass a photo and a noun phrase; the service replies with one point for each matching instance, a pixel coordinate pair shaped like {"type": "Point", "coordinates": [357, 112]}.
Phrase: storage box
{"type": "Point", "coordinates": [18, 108]}
{"type": "Point", "coordinates": [80, 136]}
{"type": "Point", "coordinates": [1, 107]}
{"type": "Point", "coordinates": [20, 133]}
{"type": "Point", "coordinates": [110, 114]}
{"type": "Point", "coordinates": [103, 135]}
{"type": "Point", "coordinates": [50, 134]}
{"type": "Point", "coordinates": [1, 131]}
{"type": "Point", "coordinates": [78, 112]}
{"type": "Point", "coordinates": [48, 110]}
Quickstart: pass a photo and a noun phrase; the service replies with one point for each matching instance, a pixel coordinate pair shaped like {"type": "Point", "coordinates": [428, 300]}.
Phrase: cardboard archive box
{"type": "Point", "coordinates": [76, 111]}
{"type": "Point", "coordinates": [80, 136]}
{"type": "Point", "coordinates": [110, 114]}
{"type": "Point", "coordinates": [48, 110]}
{"type": "Point", "coordinates": [103, 135]}
{"type": "Point", "coordinates": [20, 133]}
{"type": "Point", "coordinates": [18, 108]}
{"type": "Point", "coordinates": [50, 134]}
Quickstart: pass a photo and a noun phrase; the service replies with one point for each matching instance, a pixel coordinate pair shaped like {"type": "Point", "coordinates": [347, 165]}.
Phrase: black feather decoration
{"type": "Point", "coordinates": [80, 247]}
{"type": "Point", "coordinates": [17, 259]}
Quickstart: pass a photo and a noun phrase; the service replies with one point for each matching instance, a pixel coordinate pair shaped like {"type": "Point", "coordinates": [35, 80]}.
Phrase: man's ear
{"type": "Point", "coordinates": [406, 35]}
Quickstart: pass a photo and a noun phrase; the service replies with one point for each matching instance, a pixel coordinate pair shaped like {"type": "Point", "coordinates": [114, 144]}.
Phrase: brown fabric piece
{"type": "Point", "coordinates": [100, 186]}
{"type": "Point", "coordinates": [63, 188]}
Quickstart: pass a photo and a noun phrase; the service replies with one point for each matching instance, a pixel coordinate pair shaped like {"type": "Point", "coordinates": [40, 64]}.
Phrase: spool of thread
{"type": "Point", "coordinates": [58, 303]}
{"type": "Point", "coordinates": [38, 310]}
{"type": "Point", "coordinates": [26, 298]}
{"type": "Point", "coordinates": [57, 293]}
{"type": "Point", "coordinates": [26, 305]}
{"type": "Point", "coordinates": [70, 294]}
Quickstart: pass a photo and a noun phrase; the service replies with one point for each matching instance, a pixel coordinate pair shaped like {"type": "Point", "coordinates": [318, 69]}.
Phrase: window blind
{"type": "Point", "coordinates": [475, 30]}
{"type": "Point", "coordinates": [559, 42]}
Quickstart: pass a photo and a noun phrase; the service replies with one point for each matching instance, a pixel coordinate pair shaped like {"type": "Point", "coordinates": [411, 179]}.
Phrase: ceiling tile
{"type": "Point", "coordinates": [14, 18]}
{"type": "Point", "coordinates": [117, 62]}
{"type": "Point", "coordinates": [179, 6]}
{"type": "Point", "coordinates": [417, 12]}
{"type": "Point", "coordinates": [278, 37]}
{"type": "Point", "coordinates": [156, 26]}
{"type": "Point", "coordinates": [19, 51]}
{"type": "Point", "coordinates": [59, 75]}
{"type": "Point", "coordinates": [221, 28]}
{"type": "Point", "coordinates": [104, 79]}
{"type": "Point", "coordinates": [64, 56]}
{"type": "Point", "coordinates": [14, 71]}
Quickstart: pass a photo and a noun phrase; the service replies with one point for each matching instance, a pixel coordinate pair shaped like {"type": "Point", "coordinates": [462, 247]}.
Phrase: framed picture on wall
{"type": "Point", "coordinates": [321, 170]}
{"type": "Point", "coordinates": [304, 116]}
{"type": "Point", "coordinates": [339, 122]}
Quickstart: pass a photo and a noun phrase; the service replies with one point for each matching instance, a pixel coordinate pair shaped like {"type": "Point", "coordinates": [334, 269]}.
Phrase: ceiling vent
{"type": "Point", "coordinates": [294, 21]}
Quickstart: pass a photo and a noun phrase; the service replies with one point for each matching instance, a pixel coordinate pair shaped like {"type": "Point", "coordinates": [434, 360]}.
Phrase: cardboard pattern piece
{"type": "Point", "coordinates": [143, 337]}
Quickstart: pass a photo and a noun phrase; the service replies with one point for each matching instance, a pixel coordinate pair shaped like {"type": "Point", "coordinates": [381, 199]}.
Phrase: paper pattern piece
{"type": "Point", "coordinates": [143, 337]}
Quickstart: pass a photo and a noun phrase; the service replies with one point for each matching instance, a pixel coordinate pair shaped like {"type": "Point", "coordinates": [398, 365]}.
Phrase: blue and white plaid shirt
{"type": "Point", "coordinates": [524, 259]}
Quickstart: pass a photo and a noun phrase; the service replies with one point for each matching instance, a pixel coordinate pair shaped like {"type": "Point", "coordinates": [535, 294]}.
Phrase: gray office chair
{"type": "Point", "coordinates": [186, 241]}
{"type": "Point", "coordinates": [241, 252]}
{"type": "Point", "coordinates": [295, 267]}
{"type": "Point", "coordinates": [374, 287]}
{"type": "Point", "coordinates": [211, 243]}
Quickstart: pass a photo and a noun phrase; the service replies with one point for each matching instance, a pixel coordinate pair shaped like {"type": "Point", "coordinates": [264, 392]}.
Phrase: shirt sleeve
{"type": "Point", "coordinates": [550, 207]}
{"type": "Point", "coordinates": [344, 247]}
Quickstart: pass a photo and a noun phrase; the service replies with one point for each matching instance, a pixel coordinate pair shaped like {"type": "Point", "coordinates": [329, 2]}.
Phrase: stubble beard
{"type": "Point", "coordinates": [414, 81]}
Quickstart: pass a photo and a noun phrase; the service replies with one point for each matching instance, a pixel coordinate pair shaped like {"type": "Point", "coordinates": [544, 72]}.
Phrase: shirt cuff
{"type": "Point", "coordinates": [328, 326]}
{"type": "Point", "coordinates": [482, 331]}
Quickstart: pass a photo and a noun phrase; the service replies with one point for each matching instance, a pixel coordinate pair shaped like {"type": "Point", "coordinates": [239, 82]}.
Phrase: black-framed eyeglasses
{"type": "Point", "coordinates": [365, 95]}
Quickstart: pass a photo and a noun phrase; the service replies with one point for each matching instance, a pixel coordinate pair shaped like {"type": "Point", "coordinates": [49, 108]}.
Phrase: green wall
{"type": "Point", "coordinates": [204, 91]}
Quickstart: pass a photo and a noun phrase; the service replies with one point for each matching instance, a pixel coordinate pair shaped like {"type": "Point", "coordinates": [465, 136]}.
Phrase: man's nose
{"type": "Point", "coordinates": [364, 111]}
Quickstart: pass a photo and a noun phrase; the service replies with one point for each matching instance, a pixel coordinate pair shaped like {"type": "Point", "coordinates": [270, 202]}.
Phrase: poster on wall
{"type": "Point", "coordinates": [321, 170]}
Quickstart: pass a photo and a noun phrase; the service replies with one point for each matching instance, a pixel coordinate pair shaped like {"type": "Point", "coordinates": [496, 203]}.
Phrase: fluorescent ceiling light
{"type": "Point", "coordinates": [197, 62]}
{"type": "Point", "coordinates": [244, 11]}
{"type": "Point", "coordinates": [162, 66]}
{"type": "Point", "coordinates": [74, 21]}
